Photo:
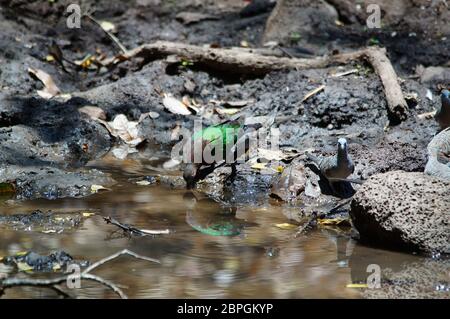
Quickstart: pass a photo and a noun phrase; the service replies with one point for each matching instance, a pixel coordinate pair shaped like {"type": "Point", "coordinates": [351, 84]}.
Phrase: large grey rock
{"type": "Point", "coordinates": [438, 156]}
{"type": "Point", "coordinates": [404, 211]}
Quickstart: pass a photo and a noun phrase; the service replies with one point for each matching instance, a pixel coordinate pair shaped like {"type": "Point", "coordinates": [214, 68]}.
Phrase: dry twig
{"type": "Point", "coordinates": [133, 230]}
{"type": "Point", "coordinates": [85, 275]}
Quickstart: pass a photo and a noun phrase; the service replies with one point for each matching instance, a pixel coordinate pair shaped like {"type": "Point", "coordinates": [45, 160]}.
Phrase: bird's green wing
{"type": "Point", "coordinates": [225, 134]}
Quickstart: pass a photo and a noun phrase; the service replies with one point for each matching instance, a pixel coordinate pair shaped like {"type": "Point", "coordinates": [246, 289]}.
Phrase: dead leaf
{"type": "Point", "coordinates": [87, 214]}
{"type": "Point", "coordinates": [93, 112]}
{"type": "Point", "coordinates": [271, 155]}
{"type": "Point", "coordinates": [286, 226]}
{"type": "Point", "coordinates": [22, 266]}
{"type": "Point", "coordinates": [357, 286]}
{"type": "Point", "coordinates": [230, 111]}
{"type": "Point", "coordinates": [175, 106]}
{"type": "Point", "coordinates": [108, 26]}
{"type": "Point", "coordinates": [143, 183]}
{"type": "Point", "coordinates": [50, 88]}
{"type": "Point", "coordinates": [187, 101]}
{"type": "Point", "coordinates": [333, 222]}
{"type": "Point", "coordinates": [86, 62]}
{"type": "Point", "coordinates": [279, 169]}
{"type": "Point", "coordinates": [259, 166]}
{"type": "Point", "coordinates": [126, 130]}
{"type": "Point", "coordinates": [97, 188]}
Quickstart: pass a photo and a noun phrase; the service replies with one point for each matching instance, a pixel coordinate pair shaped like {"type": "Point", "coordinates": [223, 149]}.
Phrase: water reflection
{"type": "Point", "coordinates": [213, 250]}
{"type": "Point", "coordinates": [210, 218]}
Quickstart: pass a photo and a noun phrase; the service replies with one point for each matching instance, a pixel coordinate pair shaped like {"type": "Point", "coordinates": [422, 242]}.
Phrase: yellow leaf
{"type": "Point", "coordinates": [356, 286]}
{"type": "Point", "coordinates": [87, 214]}
{"type": "Point", "coordinates": [332, 221]}
{"type": "Point", "coordinates": [286, 226]}
{"type": "Point", "coordinates": [21, 253]}
{"type": "Point", "coordinates": [96, 188]}
{"type": "Point", "coordinates": [49, 58]}
{"type": "Point", "coordinates": [24, 266]}
{"type": "Point", "coordinates": [280, 169]}
{"type": "Point", "coordinates": [259, 166]}
{"type": "Point", "coordinates": [107, 26]}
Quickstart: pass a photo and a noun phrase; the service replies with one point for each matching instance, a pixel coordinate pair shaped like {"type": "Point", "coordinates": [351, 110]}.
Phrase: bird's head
{"type": "Point", "coordinates": [342, 144]}
{"type": "Point", "coordinates": [190, 175]}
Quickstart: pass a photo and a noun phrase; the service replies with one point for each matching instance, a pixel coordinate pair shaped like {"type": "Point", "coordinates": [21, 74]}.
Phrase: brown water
{"type": "Point", "coordinates": [257, 260]}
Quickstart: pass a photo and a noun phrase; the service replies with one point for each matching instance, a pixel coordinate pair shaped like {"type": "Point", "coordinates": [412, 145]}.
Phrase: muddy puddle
{"type": "Point", "coordinates": [211, 251]}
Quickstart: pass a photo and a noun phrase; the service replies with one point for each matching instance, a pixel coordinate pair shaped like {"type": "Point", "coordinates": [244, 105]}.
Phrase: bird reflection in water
{"type": "Point", "coordinates": [210, 217]}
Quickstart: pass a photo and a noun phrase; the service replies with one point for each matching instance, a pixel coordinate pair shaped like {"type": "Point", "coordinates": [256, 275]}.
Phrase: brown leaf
{"type": "Point", "coordinates": [50, 88]}
{"type": "Point", "coordinates": [93, 112]}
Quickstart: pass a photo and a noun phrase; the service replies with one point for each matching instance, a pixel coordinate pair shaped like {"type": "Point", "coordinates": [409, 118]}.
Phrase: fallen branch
{"type": "Point", "coordinates": [398, 108]}
{"type": "Point", "coordinates": [235, 60]}
{"type": "Point", "coordinates": [129, 229]}
{"type": "Point", "coordinates": [84, 275]}
{"type": "Point", "coordinates": [245, 62]}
